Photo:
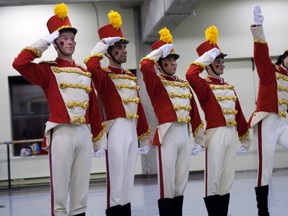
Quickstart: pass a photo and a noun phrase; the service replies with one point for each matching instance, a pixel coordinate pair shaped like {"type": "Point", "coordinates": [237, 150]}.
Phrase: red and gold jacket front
{"type": "Point", "coordinates": [119, 94]}
{"type": "Point", "coordinates": [219, 101]}
{"type": "Point", "coordinates": [273, 85]}
{"type": "Point", "coordinates": [69, 91]}
{"type": "Point", "coordinates": [172, 100]}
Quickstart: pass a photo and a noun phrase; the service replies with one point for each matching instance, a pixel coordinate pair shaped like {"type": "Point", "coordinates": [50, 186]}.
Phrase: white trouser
{"type": "Point", "coordinates": [271, 130]}
{"type": "Point", "coordinates": [174, 161]}
{"type": "Point", "coordinates": [122, 159]}
{"type": "Point", "coordinates": [220, 161]}
{"type": "Point", "coordinates": [70, 166]}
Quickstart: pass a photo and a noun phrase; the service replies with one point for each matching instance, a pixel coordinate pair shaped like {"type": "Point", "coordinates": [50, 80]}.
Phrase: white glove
{"type": "Point", "coordinates": [196, 150]}
{"type": "Point", "coordinates": [144, 150]}
{"type": "Point", "coordinates": [243, 149]}
{"type": "Point", "coordinates": [166, 49]}
{"type": "Point", "coordinates": [111, 40]}
{"type": "Point", "coordinates": [258, 16]}
{"type": "Point", "coordinates": [214, 52]}
{"type": "Point", "coordinates": [99, 153]}
{"type": "Point", "coordinates": [51, 37]}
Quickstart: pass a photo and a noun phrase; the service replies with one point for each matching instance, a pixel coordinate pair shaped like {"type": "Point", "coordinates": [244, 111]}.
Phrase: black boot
{"type": "Point", "coordinates": [212, 205]}
{"type": "Point", "coordinates": [166, 207]}
{"type": "Point", "coordinates": [224, 204]}
{"type": "Point", "coordinates": [262, 200]}
{"type": "Point", "coordinates": [114, 211]}
{"type": "Point", "coordinates": [178, 205]}
{"type": "Point", "coordinates": [82, 214]}
{"type": "Point", "coordinates": [126, 210]}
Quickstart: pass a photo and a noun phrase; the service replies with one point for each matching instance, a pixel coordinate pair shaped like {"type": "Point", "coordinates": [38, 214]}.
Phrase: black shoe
{"type": "Point", "coordinates": [262, 200]}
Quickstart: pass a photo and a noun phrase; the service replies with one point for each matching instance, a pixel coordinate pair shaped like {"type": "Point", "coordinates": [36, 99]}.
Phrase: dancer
{"type": "Point", "coordinates": [225, 122]}
{"type": "Point", "coordinates": [268, 121]}
{"type": "Point", "coordinates": [73, 109]}
{"type": "Point", "coordinates": [125, 118]}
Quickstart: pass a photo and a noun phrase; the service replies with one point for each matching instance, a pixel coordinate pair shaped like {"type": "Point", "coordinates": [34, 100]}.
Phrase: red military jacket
{"type": "Point", "coordinates": [59, 80]}
{"type": "Point", "coordinates": [273, 83]}
{"type": "Point", "coordinates": [171, 98]}
{"type": "Point", "coordinates": [213, 95]}
{"type": "Point", "coordinates": [118, 91]}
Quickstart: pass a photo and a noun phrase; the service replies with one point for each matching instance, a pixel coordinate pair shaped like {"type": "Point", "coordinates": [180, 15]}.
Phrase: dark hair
{"type": "Point", "coordinates": [281, 58]}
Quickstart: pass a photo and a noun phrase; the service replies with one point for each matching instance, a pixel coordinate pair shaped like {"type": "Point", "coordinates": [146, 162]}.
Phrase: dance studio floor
{"type": "Point", "coordinates": [35, 201]}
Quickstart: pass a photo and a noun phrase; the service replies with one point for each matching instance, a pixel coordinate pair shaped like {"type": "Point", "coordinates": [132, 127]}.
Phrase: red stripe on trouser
{"type": "Point", "coordinates": [160, 173]}
{"type": "Point", "coordinates": [51, 175]}
{"type": "Point", "coordinates": [108, 180]}
{"type": "Point", "coordinates": [206, 172]}
{"type": "Point", "coordinates": [259, 154]}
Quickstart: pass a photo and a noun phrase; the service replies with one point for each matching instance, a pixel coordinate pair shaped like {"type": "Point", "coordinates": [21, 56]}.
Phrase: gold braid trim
{"type": "Point", "coordinates": [131, 100]}
{"type": "Point", "coordinates": [234, 98]}
{"type": "Point", "coordinates": [72, 104]}
{"type": "Point", "coordinates": [199, 64]}
{"type": "Point", "coordinates": [283, 114]}
{"type": "Point", "coordinates": [229, 112]}
{"type": "Point", "coordinates": [92, 56]}
{"type": "Point", "coordinates": [144, 135]}
{"type": "Point", "coordinates": [65, 70]}
{"type": "Point", "coordinates": [184, 120]}
{"type": "Point", "coordinates": [281, 76]}
{"type": "Point", "coordinates": [201, 126]}
{"type": "Point", "coordinates": [231, 123]}
{"type": "Point", "coordinates": [121, 76]}
{"type": "Point", "coordinates": [283, 101]}
{"type": "Point", "coordinates": [78, 120]}
{"type": "Point", "coordinates": [281, 88]}
{"type": "Point", "coordinates": [34, 50]}
{"type": "Point", "coordinates": [181, 84]}
{"type": "Point", "coordinates": [260, 42]}
{"type": "Point", "coordinates": [127, 86]}
{"type": "Point", "coordinates": [221, 87]}
{"type": "Point", "coordinates": [178, 107]}
{"type": "Point", "coordinates": [173, 95]}
{"type": "Point", "coordinates": [244, 135]}
{"type": "Point", "coordinates": [64, 85]}
{"type": "Point", "coordinates": [130, 115]}
{"type": "Point", "coordinates": [100, 135]}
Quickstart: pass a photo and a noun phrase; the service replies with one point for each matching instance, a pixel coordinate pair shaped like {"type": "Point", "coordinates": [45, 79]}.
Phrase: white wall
{"type": "Point", "coordinates": [22, 25]}
{"type": "Point", "coordinates": [233, 19]}
{"type": "Point", "coordinates": [19, 27]}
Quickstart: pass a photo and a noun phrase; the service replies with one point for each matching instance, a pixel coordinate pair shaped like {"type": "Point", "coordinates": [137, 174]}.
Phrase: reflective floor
{"type": "Point", "coordinates": [35, 201]}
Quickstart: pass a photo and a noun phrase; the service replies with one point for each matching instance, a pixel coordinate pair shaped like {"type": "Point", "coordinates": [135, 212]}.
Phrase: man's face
{"type": "Point", "coordinates": [66, 42]}
{"type": "Point", "coordinates": [218, 65]}
{"type": "Point", "coordinates": [119, 52]}
{"type": "Point", "coordinates": [169, 65]}
{"type": "Point", "coordinates": [285, 62]}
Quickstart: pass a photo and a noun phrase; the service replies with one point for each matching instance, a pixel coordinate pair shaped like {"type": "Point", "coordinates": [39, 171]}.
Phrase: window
{"type": "Point", "coordinates": [29, 112]}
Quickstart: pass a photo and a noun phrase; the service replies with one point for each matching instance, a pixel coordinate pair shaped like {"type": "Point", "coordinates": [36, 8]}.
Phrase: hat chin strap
{"type": "Point", "coordinates": [113, 57]}
{"type": "Point", "coordinates": [214, 70]}
{"type": "Point", "coordinates": [59, 48]}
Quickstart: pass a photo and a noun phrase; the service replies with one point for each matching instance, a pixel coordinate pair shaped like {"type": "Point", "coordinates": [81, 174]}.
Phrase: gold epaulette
{"type": "Point", "coordinates": [106, 69]}
{"type": "Point", "coordinates": [277, 68]}
{"type": "Point", "coordinates": [207, 79]}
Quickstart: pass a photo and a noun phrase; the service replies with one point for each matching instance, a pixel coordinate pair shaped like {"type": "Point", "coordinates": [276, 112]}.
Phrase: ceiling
{"type": "Point", "coordinates": [155, 14]}
{"type": "Point", "coordinates": [124, 3]}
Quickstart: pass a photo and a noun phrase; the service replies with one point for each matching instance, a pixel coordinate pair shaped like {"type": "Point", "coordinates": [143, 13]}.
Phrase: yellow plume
{"type": "Point", "coordinates": [115, 19]}
{"type": "Point", "coordinates": [211, 34]}
{"type": "Point", "coordinates": [165, 35]}
{"type": "Point", "coordinates": [61, 10]}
